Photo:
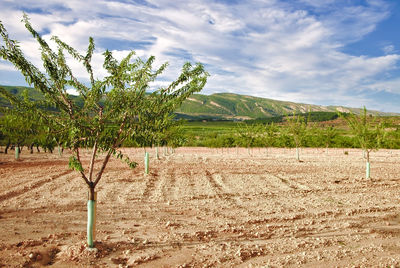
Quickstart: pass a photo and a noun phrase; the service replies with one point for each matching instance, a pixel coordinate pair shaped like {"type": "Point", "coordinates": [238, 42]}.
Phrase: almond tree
{"type": "Point", "coordinates": [16, 131]}
{"type": "Point", "coordinates": [328, 134]}
{"type": "Point", "coordinates": [297, 129]}
{"type": "Point", "coordinates": [369, 133]}
{"type": "Point", "coordinates": [19, 125]}
{"type": "Point", "coordinates": [114, 109]}
{"type": "Point", "coordinates": [269, 135]}
{"type": "Point", "coordinates": [249, 135]}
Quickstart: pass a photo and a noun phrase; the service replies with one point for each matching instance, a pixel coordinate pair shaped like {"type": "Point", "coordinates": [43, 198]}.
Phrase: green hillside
{"type": "Point", "coordinates": [233, 106]}
{"type": "Point", "coordinates": [33, 94]}
{"type": "Point", "coordinates": [224, 106]}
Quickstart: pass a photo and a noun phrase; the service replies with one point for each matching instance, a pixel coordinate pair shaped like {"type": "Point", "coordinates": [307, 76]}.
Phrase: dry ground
{"type": "Point", "coordinates": [202, 207]}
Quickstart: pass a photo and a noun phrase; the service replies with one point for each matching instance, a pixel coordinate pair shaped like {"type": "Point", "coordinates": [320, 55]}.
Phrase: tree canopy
{"type": "Point", "coordinates": [115, 108]}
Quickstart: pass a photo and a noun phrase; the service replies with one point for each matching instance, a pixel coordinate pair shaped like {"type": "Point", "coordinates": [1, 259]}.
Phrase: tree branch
{"type": "Point", "coordinates": [92, 160]}
{"type": "Point", "coordinates": [82, 173]}
{"type": "Point", "coordinates": [110, 151]}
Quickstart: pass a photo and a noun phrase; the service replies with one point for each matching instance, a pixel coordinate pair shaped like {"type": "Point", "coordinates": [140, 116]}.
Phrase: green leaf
{"type": "Point", "coordinates": [75, 164]}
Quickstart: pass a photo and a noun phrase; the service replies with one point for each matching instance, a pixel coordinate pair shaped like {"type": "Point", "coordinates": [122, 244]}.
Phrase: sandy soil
{"type": "Point", "coordinates": [204, 207]}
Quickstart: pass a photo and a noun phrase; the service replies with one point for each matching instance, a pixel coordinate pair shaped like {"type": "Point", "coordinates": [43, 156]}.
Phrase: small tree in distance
{"type": "Point", "coordinates": [19, 124]}
{"type": "Point", "coordinates": [369, 133]}
{"type": "Point", "coordinates": [249, 135]}
{"type": "Point", "coordinates": [297, 129]}
{"type": "Point", "coordinates": [269, 135]}
{"type": "Point", "coordinates": [114, 109]}
{"type": "Point", "coordinates": [328, 135]}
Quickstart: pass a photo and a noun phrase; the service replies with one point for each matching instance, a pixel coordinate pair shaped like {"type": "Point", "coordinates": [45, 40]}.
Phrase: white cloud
{"type": "Point", "coordinates": [72, 91]}
{"type": "Point", "coordinates": [390, 86]}
{"type": "Point", "coordinates": [388, 49]}
{"type": "Point", "coordinates": [270, 48]}
{"type": "Point", "coordinates": [5, 66]}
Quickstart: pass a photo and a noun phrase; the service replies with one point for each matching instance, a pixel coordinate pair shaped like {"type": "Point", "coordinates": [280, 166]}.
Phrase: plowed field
{"type": "Point", "coordinates": [203, 207]}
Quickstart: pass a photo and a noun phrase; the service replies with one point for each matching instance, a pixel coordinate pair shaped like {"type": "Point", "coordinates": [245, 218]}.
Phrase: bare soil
{"type": "Point", "coordinates": [203, 207]}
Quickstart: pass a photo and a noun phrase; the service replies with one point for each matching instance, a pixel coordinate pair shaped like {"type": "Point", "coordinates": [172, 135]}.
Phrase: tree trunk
{"type": "Point", "coordinates": [6, 149]}
{"type": "Point", "coordinates": [297, 154]}
{"type": "Point", "coordinates": [157, 153]}
{"type": "Point", "coordinates": [31, 148]}
{"type": "Point", "coordinates": [37, 148]}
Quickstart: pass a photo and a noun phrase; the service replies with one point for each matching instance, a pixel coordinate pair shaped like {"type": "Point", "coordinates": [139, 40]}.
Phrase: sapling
{"type": "Point", "coordinates": [328, 134]}
{"type": "Point", "coordinates": [249, 135]}
{"type": "Point", "coordinates": [269, 135]}
{"type": "Point", "coordinates": [115, 108]}
{"type": "Point", "coordinates": [369, 133]}
{"type": "Point", "coordinates": [297, 129]}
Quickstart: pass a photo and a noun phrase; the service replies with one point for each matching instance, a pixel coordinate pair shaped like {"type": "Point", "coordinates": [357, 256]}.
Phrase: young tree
{"type": "Point", "coordinates": [269, 135]}
{"type": "Point", "coordinates": [368, 131]}
{"type": "Point", "coordinates": [19, 124]}
{"type": "Point", "coordinates": [297, 129]}
{"type": "Point", "coordinates": [249, 135]}
{"type": "Point", "coordinates": [114, 108]}
{"type": "Point", "coordinates": [327, 135]}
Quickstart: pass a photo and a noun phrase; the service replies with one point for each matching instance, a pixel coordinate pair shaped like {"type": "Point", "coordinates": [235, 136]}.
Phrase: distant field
{"type": "Point", "coordinates": [203, 128]}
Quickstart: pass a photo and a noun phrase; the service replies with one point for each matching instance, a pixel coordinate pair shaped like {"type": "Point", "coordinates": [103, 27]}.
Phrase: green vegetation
{"type": "Point", "coordinates": [331, 134]}
{"type": "Point", "coordinates": [368, 132]}
{"type": "Point", "coordinates": [238, 107]}
{"type": "Point", "coordinates": [107, 113]}
{"type": "Point", "coordinates": [297, 128]}
{"type": "Point", "coordinates": [327, 135]}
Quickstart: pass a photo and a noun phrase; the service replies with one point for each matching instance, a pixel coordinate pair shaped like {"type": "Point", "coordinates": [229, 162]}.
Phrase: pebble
{"type": "Point", "coordinates": [95, 250]}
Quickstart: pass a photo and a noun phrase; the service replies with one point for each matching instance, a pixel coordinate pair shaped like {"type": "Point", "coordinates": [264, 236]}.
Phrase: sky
{"type": "Point", "coordinates": [325, 52]}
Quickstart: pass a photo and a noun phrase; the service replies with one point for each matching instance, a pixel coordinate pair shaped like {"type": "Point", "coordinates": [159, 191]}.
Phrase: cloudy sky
{"type": "Point", "coordinates": [327, 52]}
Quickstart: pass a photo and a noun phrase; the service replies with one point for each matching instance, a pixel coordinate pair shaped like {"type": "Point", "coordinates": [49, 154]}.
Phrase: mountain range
{"type": "Point", "coordinates": [227, 106]}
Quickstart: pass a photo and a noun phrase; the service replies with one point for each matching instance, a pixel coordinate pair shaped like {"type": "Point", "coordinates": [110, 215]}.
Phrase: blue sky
{"type": "Point", "coordinates": [327, 52]}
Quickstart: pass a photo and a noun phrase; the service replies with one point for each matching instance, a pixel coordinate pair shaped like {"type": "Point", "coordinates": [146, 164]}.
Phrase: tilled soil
{"type": "Point", "coordinates": [203, 207]}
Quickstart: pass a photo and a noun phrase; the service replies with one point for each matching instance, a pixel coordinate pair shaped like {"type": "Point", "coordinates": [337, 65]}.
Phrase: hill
{"type": "Point", "coordinates": [34, 95]}
{"type": "Point", "coordinates": [225, 106]}
{"type": "Point", "coordinates": [230, 106]}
